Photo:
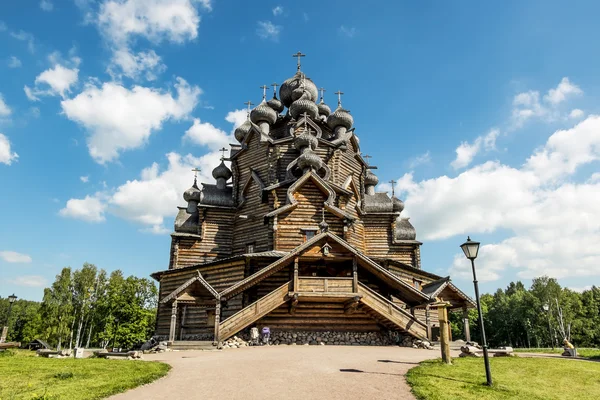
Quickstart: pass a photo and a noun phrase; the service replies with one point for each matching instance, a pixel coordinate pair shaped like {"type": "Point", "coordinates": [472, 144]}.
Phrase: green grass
{"type": "Point", "coordinates": [583, 351]}
{"type": "Point", "coordinates": [23, 376]}
{"type": "Point", "coordinates": [514, 378]}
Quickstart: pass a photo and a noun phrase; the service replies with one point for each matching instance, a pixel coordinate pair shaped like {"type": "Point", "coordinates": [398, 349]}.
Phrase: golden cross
{"type": "Point", "coordinates": [392, 182]}
{"type": "Point", "coordinates": [339, 93]}
{"type": "Point", "coordinates": [298, 54]}
{"type": "Point", "coordinates": [264, 88]}
{"type": "Point", "coordinates": [223, 150]}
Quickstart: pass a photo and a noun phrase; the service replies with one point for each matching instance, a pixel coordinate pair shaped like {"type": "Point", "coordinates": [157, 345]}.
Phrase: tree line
{"type": "Point", "coordinates": [86, 308]}
{"type": "Point", "coordinates": [541, 316]}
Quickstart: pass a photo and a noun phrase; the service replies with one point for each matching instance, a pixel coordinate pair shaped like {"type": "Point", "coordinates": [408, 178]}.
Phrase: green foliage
{"type": "Point", "coordinates": [542, 315]}
{"type": "Point", "coordinates": [24, 377]}
{"type": "Point", "coordinates": [514, 378]}
{"type": "Point", "coordinates": [85, 308]}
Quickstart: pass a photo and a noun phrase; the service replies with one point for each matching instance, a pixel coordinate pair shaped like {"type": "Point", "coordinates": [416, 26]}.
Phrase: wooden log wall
{"type": "Point", "coordinates": [379, 241]}
{"type": "Point", "coordinates": [219, 276]}
{"type": "Point", "coordinates": [308, 214]}
{"type": "Point", "coordinates": [408, 276]}
{"type": "Point", "coordinates": [217, 230]}
{"type": "Point", "coordinates": [309, 316]}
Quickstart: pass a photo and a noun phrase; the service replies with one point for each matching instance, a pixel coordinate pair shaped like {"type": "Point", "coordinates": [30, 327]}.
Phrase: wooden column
{"type": "Point", "coordinates": [444, 332]}
{"type": "Point", "coordinates": [173, 321]}
{"type": "Point", "coordinates": [217, 321]}
{"type": "Point", "coordinates": [428, 322]}
{"type": "Point", "coordinates": [354, 275]}
{"type": "Point", "coordinates": [466, 322]}
{"type": "Point", "coordinates": [296, 274]}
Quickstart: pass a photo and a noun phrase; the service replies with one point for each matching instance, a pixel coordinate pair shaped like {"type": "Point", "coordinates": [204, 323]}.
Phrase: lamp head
{"type": "Point", "coordinates": [470, 248]}
{"type": "Point", "coordinates": [12, 298]}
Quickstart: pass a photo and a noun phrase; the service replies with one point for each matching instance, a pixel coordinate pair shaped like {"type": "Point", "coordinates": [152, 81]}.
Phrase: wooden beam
{"type": "Point", "coordinates": [466, 323]}
{"type": "Point", "coordinates": [173, 321]}
{"type": "Point", "coordinates": [217, 322]}
{"type": "Point", "coordinates": [428, 322]}
{"type": "Point", "coordinates": [296, 274]}
{"type": "Point", "coordinates": [354, 275]}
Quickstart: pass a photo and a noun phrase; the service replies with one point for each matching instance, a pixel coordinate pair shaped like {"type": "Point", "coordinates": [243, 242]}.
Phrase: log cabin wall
{"type": "Point", "coordinates": [379, 241]}
{"type": "Point", "coordinates": [251, 229]}
{"type": "Point", "coordinates": [307, 214]}
{"type": "Point", "coordinates": [217, 230]}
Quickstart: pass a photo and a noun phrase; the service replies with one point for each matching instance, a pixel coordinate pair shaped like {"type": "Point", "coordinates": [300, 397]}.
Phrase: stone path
{"type": "Point", "coordinates": [285, 372]}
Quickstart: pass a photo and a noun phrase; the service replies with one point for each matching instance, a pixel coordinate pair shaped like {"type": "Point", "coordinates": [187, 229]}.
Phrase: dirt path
{"type": "Point", "coordinates": [285, 372]}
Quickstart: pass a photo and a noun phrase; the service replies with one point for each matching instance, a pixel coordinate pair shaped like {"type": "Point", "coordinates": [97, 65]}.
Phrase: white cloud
{"type": "Point", "coordinates": [466, 152]}
{"type": "Point", "coordinates": [120, 119]}
{"type": "Point", "coordinates": [14, 257]}
{"type": "Point", "coordinates": [527, 105]}
{"type": "Point", "coordinates": [581, 289]}
{"type": "Point", "coordinates": [206, 134]}
{"type": "Point", "coordinates": [59, 79]}
{"type": "Point", "coordinates": [576, 113]}
{"type": "Point", "coordinates": [347, 31]}
{"type": "Point", "coordinates": [125, 63]}
{"type": "Point", "coordinates": [565, 88]}
{"type": "Point", "coordinates": [268, 30]}
{"type": "Point", "coordinates": [46, 5]}
{"type": "Point", "coordinates": [5, 110]}
{"type": "Point", "coordinates": [424, 158]}
{"type": "Point", "coordinates": [551, 219]}
{"type": "Point", "coordinates": [84, 179]}
{"type": "Point", "coordinates": [237, 117]}
{"type": "Point", "coordinates": [90, 209]}
{"type": "Point", "coordinates": [6, 155]}
{"type": "Point", "coordinates": [29, 281]}
{"type": "Point", "coordinates": [25, 37]}
{"type": "Point", "coordinates": [14, 62]}
{"type": "Point", "coordinates": [277, 10]}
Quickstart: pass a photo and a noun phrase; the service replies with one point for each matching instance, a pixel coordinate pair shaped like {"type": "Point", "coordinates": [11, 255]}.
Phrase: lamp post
{"type": "Point", "coordinates": [11, 299]}
{"type": "Point", "coordinates": [546, 308]}
{"type": "Point", "coordinates": [471, 248]}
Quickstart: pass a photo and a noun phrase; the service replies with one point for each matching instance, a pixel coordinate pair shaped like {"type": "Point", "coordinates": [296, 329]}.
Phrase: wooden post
{"type": "Point", "coordinates": [354, 275]}
{"type": "Point", "coordinates": [173, 322]}
{"type": "Point", "coordinates": [217, 321]}
{"type": "Point", "coordinates": [444, 334]}
{"type": "Point", "coordinates": [428, 322]}
{"type": "Point", "coordinates": [466, 322]}
{"type": "Point", "coordinates": [296, 274]}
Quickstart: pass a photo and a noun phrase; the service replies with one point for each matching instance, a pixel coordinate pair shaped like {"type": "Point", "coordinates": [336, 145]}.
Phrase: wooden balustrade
{"type": "Point", "coordinates": [311, 284]}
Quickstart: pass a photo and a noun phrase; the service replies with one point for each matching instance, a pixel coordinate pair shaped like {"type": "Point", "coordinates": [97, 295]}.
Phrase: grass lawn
{"type": "Point", "coordinates": [514, 378]}
{"type": "Point", "coordinates": [24, 376]}
{"type": "Point", "coordinates": [592, 353]}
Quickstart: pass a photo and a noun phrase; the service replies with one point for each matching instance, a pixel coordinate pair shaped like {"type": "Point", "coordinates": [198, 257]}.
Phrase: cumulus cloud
{"type": "Point", "coordinates": [466, 152]}
{"type": "Point", "coordinates": [7, 156]}
{"type": "Point", "coordinates": [268, 30]}
{"type": "Point", "coordinates": [90, 209]}
{"type": "Point", "coordinates": [46, 5]}
{"type": "Point", "coordinates": [206, 134]}
{"type": "Point", "coordinates": [119, 119]}
{"type": "Point", "coordinates": [14, 257]}
{"type": "Point", "coordinates": [277, 10]}
{"type": "Point", "coordinates": [551, 218]}
{"type": "Point", "coordinates": [576, 113]}
{"type": "Point", "coordinates": [14, 62]}
{"type": "Point", "coordinates": [29, 281]}
{"type": "Point", "coordinates": [527, 105]}
{"type": "Point", "coordinates": [125, 63]}
{"type": "Point", "coordinates": [57, 80]}
{"type": "Point", "coordinates": [5, 110]}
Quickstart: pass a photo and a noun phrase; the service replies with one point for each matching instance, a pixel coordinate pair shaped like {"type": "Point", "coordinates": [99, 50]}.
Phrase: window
{"type": "Point", "coordinates": [309, 233]}
{"type": "Point", "coordinates": [418, 284]}
{"type": "Point", "coordinates": [250, 248]}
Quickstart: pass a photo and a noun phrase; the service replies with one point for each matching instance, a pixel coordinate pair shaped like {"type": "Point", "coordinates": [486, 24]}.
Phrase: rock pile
{"type": "Point", "coordinates": [234, 343]}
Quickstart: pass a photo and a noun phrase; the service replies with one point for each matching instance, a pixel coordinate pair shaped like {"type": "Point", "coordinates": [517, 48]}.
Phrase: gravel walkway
{"type": "Point", "coordinates": [285, 372]}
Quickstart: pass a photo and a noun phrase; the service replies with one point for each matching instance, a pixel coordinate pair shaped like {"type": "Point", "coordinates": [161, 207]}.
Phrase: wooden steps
{"type": "Point", "coordinates": [389, 314]}
{"type": "Point", "coordinates": [192, 345]}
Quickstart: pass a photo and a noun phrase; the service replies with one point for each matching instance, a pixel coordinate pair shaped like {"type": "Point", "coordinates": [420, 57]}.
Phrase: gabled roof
{"type": "Point", "coordinates": [436, 288]}
{"type": "Point", "coordinates": [406, 292]}
{"type": "Point", "coordinates": [199, 278]}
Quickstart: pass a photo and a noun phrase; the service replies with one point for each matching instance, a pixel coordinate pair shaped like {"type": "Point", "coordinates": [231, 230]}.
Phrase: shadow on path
{"type": "Point", "coordinates": [398, 362]}
{"type": "Point", "coordinates": [366, 372]}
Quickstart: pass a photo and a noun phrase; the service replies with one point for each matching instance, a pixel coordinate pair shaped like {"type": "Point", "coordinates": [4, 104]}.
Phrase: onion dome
{"type": "Point", "coordinates": [323, 226]}
{"type": "Point", "coordinates": [323, 108]}
{"type": "Point", "coordinates": [275, 104]}
{"type": "Point", "coordinates": [397, 204]}
{"type": "Point", "coordinates": [371, 179]}
{"type": "Point", "coordinates": [304, 105]}
{"type": "Point", "coordinates": [242, 130]}
{"type": "Point", "coordinates": [263, 113]}
{"type": "Point", "coordinates": [405, 230]}
{"type": "Point", "coordinates": [192, 194]}
{"type": "Point", "coordinates": [305, 139]}
{"type": "Point", "coordinates": [286, 89]}
{"type": "Point", "coordinates": [222, 172]}
{"type": "Point", "coordinates": [340, 117]}
{"type": "Point", "coordinates": [309, 159]}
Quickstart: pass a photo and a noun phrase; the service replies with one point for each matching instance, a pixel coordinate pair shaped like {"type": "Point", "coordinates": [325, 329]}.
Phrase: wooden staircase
{"type": "Point", "coordinates": [389, 314]}
{"type": "Point", "coordinates": [254, 311]}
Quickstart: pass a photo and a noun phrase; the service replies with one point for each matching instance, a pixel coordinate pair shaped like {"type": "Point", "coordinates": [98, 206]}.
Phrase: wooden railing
{"type": "Point", "coordinates": [310, 284]}
{"type": "Point", "coordinates": [391, 312]}
{"type": "Point", "coordinates": [254, 311]}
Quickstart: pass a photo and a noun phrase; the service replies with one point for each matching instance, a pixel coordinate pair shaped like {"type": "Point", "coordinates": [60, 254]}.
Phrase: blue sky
{"type": "Point", "coordinates": [486, 116]}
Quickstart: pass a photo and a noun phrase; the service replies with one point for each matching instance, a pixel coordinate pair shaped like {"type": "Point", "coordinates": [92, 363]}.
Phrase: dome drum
{"type": "Point", "coordinates": [404, 230]}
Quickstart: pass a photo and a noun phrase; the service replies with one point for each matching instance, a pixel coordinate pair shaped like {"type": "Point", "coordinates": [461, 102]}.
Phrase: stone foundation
{"type": "Point", "coordinates": [333, 338]}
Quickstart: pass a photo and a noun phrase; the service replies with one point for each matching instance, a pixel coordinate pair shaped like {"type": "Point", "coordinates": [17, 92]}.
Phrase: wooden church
{"type": "Point", "coordinates": [292, 235]}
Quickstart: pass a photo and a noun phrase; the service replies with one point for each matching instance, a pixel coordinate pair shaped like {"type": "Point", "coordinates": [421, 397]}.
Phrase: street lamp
{"type": "Point", "coordinates": [546, 308]}
{"type": "Point", "coordinates": [471, 248]}
{"type": "Point", "coordinates": [11, 299]}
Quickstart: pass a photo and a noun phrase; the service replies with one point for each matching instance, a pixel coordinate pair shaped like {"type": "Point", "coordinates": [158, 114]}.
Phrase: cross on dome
{"type": "Point", "coordinates": [322, 90]}
{"type": "Point", "coordinates": [195, 171]}
{"type": "Point", "coordinates": [339, 93]}
{"type": "Point", "coordinates": [223, 150]}
{"type": "Point", "coordinates": [275, 88]}
{"type": "Point", "coordinates": [264, 88]}
{"type": "Point", "coordinates": [392, 182]}
{"type": "Point", "coordinates": [367, 157]}
{"type": "Point", "coordinates": [299, 55]}
{"type": "Point", "coordinates": [249, 104]}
